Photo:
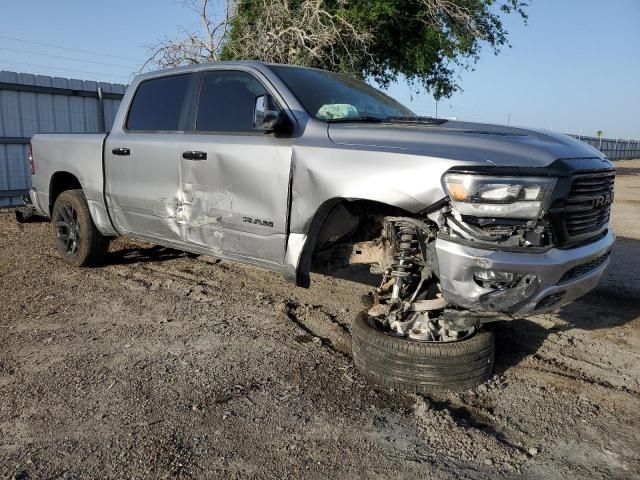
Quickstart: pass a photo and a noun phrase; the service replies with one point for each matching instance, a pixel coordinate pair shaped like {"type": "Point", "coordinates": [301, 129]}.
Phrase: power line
{"type": "Point", "coordinates": [51, 67]}
{"type": "Point", "coordinates": [64, 58]}
{"type": "Point", "coordinates": [42, 44]}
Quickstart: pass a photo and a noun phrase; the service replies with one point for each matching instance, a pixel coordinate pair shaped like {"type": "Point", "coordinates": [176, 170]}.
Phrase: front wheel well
{"type": "Point", "coordinates": [60, 182]}
{"type": "Point", "coordinates": [342, 220]}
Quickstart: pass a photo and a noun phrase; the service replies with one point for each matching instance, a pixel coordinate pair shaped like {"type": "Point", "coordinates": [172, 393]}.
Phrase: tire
{"type": "Point", "coordinates": [71, 209]}
{"type": "Point", "coordinates": [421, 367]}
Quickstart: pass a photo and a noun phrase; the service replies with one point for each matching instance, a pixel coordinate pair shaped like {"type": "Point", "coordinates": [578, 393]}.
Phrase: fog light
{"type": "Point", "coordinates": [507, 299]}
{"type": "Point", "coordinates": [493, 276]}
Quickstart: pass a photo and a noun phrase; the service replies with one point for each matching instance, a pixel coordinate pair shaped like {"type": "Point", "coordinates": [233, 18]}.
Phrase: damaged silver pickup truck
{"type": "Point", "coordinates": [298, 169]}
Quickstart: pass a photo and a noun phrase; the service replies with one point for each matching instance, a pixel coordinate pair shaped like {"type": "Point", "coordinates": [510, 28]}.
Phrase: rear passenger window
{"type": "Point", "coordinates": [157, 104]}
{"type": "Point", "coordinates": [227, 100]}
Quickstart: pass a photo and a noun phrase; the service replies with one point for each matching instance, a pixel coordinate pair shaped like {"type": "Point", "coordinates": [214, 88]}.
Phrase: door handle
{"type": "Point", "coordinates": [194, 155]}
{"type": "Point", "coordinates": [121, 151]}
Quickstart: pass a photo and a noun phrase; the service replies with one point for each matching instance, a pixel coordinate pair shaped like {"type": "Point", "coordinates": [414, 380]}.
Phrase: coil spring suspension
{"type": "Point", "coordinates": [403, 266]}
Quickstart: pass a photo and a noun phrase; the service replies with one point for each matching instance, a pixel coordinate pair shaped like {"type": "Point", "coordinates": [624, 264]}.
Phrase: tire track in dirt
{"type": "Point", "coordinates": [313, 320]}
{"type": "Point", "coordinates": [319, 325]}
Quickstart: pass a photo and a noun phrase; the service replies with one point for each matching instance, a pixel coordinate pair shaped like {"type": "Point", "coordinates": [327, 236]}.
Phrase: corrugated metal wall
{"type": "Point", "coordinates": [32, 104]}
{"type": "Point", "coordinates": [40, 104]}
{"type": "Point", "coordinates": [612, 148]}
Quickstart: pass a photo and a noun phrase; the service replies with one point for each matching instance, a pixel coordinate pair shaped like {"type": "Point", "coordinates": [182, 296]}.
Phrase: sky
{"type": "Point", "coordinates": [574, 68]}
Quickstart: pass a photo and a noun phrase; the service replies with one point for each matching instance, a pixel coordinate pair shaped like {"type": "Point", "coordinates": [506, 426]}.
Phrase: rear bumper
{"type": "Point", "coordinates": [37, 202]}
{"type": "Point", "coordinates": [554, 278]}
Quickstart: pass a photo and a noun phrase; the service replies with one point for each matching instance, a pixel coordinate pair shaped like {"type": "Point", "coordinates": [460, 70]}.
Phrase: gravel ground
{"type": "Point", "coordinates": [160, 364]}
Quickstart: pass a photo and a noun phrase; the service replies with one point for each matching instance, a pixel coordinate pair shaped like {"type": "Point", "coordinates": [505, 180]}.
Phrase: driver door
{"type": "Point", "coordinates": [234, 178]}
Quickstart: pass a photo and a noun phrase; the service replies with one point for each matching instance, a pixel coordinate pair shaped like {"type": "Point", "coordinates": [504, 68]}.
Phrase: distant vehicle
{"type": "Point", "coordinates": [295, 169]}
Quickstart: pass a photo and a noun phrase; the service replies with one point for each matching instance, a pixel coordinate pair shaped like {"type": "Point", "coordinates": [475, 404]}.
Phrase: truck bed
{"type": "Point", "coordinates": [78, 154]}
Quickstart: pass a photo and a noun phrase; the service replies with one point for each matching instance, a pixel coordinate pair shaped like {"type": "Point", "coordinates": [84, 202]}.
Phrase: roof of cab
{"type": "Point", "coordinates": [199, 67]}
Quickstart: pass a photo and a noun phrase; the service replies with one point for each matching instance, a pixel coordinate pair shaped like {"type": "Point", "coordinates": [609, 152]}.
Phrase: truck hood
{"type": "Point", "coordinates": [465, 141]}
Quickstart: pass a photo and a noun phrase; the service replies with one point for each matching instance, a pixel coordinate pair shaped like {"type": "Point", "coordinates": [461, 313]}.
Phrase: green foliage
{"type": "Point", "coordinates": [425, 41]}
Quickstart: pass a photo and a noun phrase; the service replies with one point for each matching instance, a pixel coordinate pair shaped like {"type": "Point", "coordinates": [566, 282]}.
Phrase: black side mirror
{"type": "Point", "coordinates": [266, 114]}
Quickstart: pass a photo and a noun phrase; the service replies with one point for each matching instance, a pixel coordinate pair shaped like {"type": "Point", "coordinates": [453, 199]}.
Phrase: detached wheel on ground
{"type": "Point", "coordinates": [77, 238]}
{"type": "Point", "coordinates": [418, 366]}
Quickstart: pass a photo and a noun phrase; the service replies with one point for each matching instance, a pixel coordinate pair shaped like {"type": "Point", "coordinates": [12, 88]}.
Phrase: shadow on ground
{"type": "Point", "coordinates": [601, 309]}
{"type": "Point", "coordinates": [154, 253]}
{"type": "Point", "coordinates": [354, 273]}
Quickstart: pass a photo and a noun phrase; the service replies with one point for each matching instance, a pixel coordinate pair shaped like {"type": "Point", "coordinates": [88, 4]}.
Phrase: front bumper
{"type": "Point", "coordinates": [554, 278]}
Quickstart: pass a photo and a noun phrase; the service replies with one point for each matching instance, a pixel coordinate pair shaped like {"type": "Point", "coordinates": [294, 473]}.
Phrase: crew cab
{"type": "Point", "coordinates": [295, 169]}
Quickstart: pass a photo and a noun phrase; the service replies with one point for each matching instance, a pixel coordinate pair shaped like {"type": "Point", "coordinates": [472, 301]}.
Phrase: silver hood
{"type": "Point", "coordinates": [465, 141]}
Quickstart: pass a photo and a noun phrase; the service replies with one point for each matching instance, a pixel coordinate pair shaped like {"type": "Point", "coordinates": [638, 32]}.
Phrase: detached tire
{"type": "Point", "coordinates": [421, 367]}
{"type": "Point", "coordinates": [78, 240]}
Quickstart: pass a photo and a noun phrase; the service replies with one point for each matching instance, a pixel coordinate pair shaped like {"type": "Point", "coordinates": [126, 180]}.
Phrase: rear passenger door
{"type": "Point", "coordinates": [236, 189]}
{"type": "Point", "coordinates": [142, 166]}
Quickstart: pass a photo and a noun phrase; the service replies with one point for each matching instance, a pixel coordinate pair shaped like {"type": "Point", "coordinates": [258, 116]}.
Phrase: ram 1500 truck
{"type": "Point", "coordinates": [295, 169]}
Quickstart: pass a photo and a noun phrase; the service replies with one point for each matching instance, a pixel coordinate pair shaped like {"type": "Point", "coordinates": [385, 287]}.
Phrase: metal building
{"type": "Point", "coordinates": [32, 104]}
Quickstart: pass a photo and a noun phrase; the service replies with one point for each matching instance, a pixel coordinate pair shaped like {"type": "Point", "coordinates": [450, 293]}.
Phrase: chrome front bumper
{"type": "Point", "coordinates": [554, 277]}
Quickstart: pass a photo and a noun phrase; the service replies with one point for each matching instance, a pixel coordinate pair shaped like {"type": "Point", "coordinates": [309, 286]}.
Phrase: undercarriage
{"type": "Point", "coordinates": [408, 301]}
{"type": "Point", "coordinates": [409, 336]}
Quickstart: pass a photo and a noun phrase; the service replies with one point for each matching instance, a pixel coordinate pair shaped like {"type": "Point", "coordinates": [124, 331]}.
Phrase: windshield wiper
{"type": "Point", "coordinates": [363, 118]}
{"type": "Point", "coordinates": [401, 120]}
{"type": "Point", "coordinates": [417, 120]}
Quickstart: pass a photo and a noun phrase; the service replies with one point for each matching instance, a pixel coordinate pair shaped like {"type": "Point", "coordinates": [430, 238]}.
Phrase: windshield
{"type": "Point", "coordinates": [331, 96]}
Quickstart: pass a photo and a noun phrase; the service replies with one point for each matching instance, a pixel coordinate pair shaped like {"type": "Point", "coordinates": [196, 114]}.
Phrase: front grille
{"type": "Point", "coordinates": [586, 209]}
{"type": "Point", "coordinates": [589, 204]}
{"type": "Point", "coordinates": [583, 269]}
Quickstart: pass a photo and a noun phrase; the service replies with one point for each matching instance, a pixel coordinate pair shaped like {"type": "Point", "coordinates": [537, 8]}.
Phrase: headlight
{"type": "Point", "coordinates": [510, 197]}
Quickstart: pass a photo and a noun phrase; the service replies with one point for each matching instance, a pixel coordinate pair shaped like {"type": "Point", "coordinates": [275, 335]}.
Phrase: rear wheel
{"type": "Point", "coordinates": [77, 238]}
{"type": "Point", "coordinates": [421, 366]}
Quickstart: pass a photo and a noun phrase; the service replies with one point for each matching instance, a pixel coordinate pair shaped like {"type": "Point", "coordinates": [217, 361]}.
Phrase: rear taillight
{"type": "Point", "coordinates": [32, 165]}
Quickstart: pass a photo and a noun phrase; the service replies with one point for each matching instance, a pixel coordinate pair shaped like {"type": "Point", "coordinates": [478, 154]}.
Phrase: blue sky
{"type": "Point", "coordinates": [574, 68]}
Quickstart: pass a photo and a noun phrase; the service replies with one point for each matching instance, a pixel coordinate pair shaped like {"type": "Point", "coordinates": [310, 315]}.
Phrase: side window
{"type": "Point", "coordinates": [227, 100]}
{"type": "Point", "coordinates": [157, 104]}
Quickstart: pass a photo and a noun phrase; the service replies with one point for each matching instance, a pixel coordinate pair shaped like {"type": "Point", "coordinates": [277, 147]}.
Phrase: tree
{"type": "Point", "coordinates": [195, 46]}
{"type": "Point", "coordinates": [425, 42]}
{"type": "Point", "coordinates": [299, 32]}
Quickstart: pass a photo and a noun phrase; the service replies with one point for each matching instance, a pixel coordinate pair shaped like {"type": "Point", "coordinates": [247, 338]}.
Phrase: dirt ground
{"type": "Point", "coordinates": [160, 364]}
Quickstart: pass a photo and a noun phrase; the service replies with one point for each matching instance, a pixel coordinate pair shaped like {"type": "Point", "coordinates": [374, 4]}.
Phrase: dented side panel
{"type": "Point", "coordinates": [143, 189]}
{"type": "Point", "coordinates": [322, 172]}
{"type": "Point", "coordinates": [236, 201]}
{"type": "Point", "coordinates": [233, 203]}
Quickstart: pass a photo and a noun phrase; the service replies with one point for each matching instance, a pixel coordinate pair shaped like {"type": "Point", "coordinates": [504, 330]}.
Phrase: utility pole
{"type": "Point", "coordinates": [436, 108]}
{"type": "Point", "coordinates": [508, 118]}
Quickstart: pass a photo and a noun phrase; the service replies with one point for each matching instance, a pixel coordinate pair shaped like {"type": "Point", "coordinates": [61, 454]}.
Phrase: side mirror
{"type": "Point", "coordinates": [266, 114]}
